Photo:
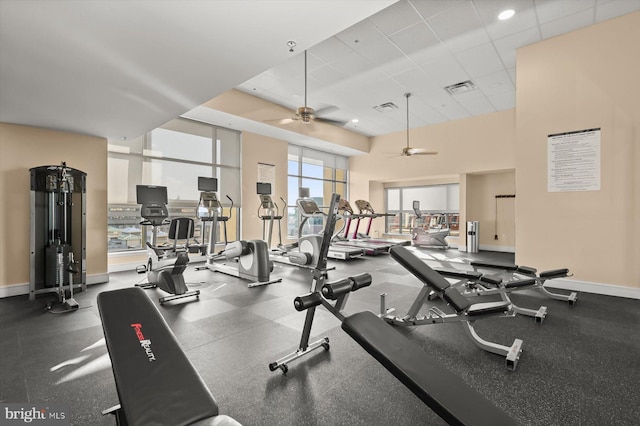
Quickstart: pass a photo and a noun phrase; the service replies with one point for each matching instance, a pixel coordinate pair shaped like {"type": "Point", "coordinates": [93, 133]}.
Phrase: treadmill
{"type": "Point", "coordinates": [309, 209]}
{"type": "Point", "coordinates": [371, 246]}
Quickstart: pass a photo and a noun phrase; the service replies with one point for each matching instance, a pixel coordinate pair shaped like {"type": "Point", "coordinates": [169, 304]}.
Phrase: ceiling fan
{"type": "Point", "coordinates": [307, 114]}
{"type": "Point", "coordinates": [409, 151]}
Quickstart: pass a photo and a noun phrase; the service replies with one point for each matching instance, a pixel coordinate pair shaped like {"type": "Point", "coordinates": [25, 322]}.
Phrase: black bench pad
{"type": "Point", "coordinates": [156, 382]}
{"type": "Point", "coordinates": [494, 265]}
{"type": "Point", "coordinates": [418, 268]}
{"type": "Point", "coordinates": [491, 279]}
{"type": "Point", "coordinates": [554, 273]}
{"type": "Point", "coordinates": [456, 273]}
{"type": "Point", "coordinates": [444, 392]}
{"type": "Point", "coordinates": [521, 283]}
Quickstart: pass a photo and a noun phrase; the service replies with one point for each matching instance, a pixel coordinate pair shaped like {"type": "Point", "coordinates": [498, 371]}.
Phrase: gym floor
{"type": "Point", "coordinates": [581, 366]}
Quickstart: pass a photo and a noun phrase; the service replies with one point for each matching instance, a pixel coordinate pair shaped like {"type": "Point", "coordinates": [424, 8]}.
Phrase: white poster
{"type": "Point", "coordinates": [573, 161]}
{"type": "Point", "coordinates": [267, 174]}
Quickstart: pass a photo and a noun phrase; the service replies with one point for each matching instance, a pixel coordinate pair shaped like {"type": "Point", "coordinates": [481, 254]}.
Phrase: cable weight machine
{"type": "Point", "coordinates": [57, 256]}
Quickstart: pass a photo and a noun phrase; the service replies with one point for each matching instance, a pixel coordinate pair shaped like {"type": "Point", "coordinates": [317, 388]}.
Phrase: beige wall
{"type": "Point", "coordinates": [473, 145]}
{"type": "Point", "coordinates": [481, 206]}
{"type": "Point", "coordinates": [23, 147]}
{"type": "Point", "coordinates": [585, 79]}
{"type": "Point", "coordinates": [261, 149]}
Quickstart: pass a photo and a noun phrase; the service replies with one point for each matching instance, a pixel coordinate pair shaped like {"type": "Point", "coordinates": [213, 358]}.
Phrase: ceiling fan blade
{"type": "Point", "coordinates": [421, 151]}
{"type": "Point", "coordinates": [331, 121]}
{"type": "Point", "coordinates": [327, 110]}
{"type": "Point", "coordinates": [281, 120]}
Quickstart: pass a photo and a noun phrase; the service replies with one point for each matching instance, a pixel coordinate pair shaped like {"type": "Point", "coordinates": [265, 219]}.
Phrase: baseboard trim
{"type": "Point", "coordinates": [23, 288]}
{"type": "Point", "coordinates": [131, 266]}
{"type": "Point", "coordinates": [597, 288]}
{"type": "Point", "coordinates": [503, 249]}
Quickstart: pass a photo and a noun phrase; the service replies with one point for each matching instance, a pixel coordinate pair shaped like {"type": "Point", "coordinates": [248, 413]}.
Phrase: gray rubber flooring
{"type": "Point", "coordinates": [581, 366]}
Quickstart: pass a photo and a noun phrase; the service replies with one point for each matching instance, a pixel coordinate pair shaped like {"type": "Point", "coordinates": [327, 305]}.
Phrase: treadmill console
{"type": "Point", "coordinates": [309, 207]}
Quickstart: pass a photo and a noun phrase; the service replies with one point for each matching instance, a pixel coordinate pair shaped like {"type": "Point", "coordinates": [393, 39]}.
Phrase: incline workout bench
{"type": "Point", "coordinates": [532, 273]}
{"type": "Point", "coordinates": [465, 312]}
{"type": "Point", "coordinates": [156, 382]}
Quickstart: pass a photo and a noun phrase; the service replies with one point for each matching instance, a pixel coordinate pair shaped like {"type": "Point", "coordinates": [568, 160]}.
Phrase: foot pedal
{"type": "Point", "coordinates": [514, 354]}
{"type": "Point", "coordinates": [141, 269]}
{"type": "Point", "coordinates": [573, 298]}
{"type": "Point", "coordinates": [541, 314]}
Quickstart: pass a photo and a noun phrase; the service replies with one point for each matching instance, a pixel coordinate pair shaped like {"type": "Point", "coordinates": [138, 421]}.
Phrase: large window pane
{"type": "Point", "coordinates": [435, 201]}
{"type": "Point", "coordinates": [393, 199]}
{"type": "Point", "coordinates": [312, 170]}
{"type": "Point", "coordinates": [174, 156]}
{"type": "Point", "coordinates": [181, 146]}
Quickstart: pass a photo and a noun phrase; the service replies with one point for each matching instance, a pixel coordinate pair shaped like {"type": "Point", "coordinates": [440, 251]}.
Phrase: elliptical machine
{"type": "Point", "coordinates": [165, 264]}
{"type": "Point", "coordinates": [252, 257]}
{"type": "Point", "coordinates": [304, 253]}
{"type": "Point", "coordinates": [435, 235]}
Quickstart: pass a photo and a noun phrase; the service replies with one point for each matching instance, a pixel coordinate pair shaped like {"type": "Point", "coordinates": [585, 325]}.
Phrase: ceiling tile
{"type": "Point", "coordinates": [332, 49]}
{"type": "Point", "coordinates": [568, 23]}
{"type": "Point", "coordinates": [396, 66]}
{"type": "Point", "coordinates": [379, 51]}
{"type": "Point", "coordinates": [446, 71]}
{"type": "Point", "coordinates": [354, 63]}
{"type": "Point", "coordinates": [552, 10]}
{"type": "Point", "coordinates": [395, 17]}
{"type": "Point", "coordinates": [507, 46]}
{"type": "Point", "coordinates": [524, 18]}
{"type": "Point", "coordinates": [479, 61]}
{"type": "Point", "coordinates": [429, 8]}
{"type": "Point", "coordinates": [495, 83]}
{"type": "Point", "coordinates": [478, 106]}
{"type": "Point", "coordinates": [429, 55]}
{"type": "Point", "coordinates": [615, 8]}
{"type": "Point", "coordinates": [503, 101]}
{"type": "Point", "coordinates": [360, 32]}
{"type": "Point", "coordinates": [465, 41]}
{"type": "Point", "coordinates": [457, 20]}
{"type": "Point", "coordinates": [415, 38]}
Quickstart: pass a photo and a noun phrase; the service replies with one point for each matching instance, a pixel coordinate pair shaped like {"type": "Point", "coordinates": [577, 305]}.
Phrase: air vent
{"type": "Point", "coordinates": [464, 87]}
{"type": "Point", "coordinates": [387, 106]}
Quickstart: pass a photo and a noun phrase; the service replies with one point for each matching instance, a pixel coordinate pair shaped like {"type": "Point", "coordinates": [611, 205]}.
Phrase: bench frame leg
{"type": "Point", "coordinates": [511, 353]}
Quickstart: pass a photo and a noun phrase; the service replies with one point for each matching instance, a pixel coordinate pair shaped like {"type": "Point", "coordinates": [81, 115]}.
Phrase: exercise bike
{"type": "Point", "coordinates": [165, 264]}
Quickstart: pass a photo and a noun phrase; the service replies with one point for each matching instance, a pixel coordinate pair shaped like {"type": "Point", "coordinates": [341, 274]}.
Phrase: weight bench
{"type": "Point", "coordinates": [474, 283]}
{"type": "Point", "coordinates": [465, 312]}
{"type": "Point", "coordinates": [532, 273]}
{"type": "Point", "coordinates": [156, 382]}
{"type": "Point", "coordinates": [443, 391]}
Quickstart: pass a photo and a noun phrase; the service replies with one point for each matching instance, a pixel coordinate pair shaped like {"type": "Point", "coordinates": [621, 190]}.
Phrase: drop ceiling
{"type": "Point", "coordinates": [118, 69]}
{"type": "Point", "coordinates": [422, 46]}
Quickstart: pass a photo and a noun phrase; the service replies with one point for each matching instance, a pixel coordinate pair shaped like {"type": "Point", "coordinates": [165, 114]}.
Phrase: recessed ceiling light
{"type": "Point", "coordinates": [506, 14]}
{"type": "Point", "coordinates": [355, 120]}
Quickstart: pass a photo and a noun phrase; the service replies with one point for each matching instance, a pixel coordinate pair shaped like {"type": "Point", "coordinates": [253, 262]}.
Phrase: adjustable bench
{"type": "Point", "coordinates": [532, 273]}
{"type": "Point", "coordinates": [443, 391]}
{"type": "Point", "coordinates": [156, 382]}
{"type": "Point", "coordinates": [474, 283]}
{"type": "Point", "coordinates": [465, 312]}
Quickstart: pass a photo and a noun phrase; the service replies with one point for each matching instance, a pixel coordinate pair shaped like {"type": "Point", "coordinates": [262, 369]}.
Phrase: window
{"type": "Point", "coordinates": [323, 173]}
{"type": "Point", "coordinates": [439, 205]}
{"type": "Point", "coordinates": [173, 155]}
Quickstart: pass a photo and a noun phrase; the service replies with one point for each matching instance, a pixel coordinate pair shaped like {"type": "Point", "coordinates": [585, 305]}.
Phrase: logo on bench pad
{"type": "Point", "coordinates": [144, 343]}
